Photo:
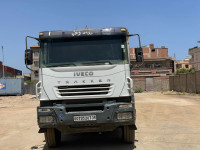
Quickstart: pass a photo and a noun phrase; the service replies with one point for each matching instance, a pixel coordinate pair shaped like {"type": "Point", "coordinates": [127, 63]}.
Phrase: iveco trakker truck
{"type": "Point", "coordinates": [84, 82]}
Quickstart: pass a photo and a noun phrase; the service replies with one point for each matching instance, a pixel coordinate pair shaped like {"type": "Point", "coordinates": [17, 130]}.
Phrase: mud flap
{"type": "Point", "coordinates": [42, 130]}
{"type": "Point", "coordinates": [133, 127]}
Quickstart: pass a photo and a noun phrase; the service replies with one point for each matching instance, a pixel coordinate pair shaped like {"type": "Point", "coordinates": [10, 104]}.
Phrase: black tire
{"type": "Point", "coordinates": [52, 137]}
{"type": "Point", "coordinates": [128, 135]}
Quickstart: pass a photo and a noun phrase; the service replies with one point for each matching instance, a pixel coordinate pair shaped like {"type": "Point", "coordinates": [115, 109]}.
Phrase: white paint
{"type": "Point", "coordinates": [116, 76]}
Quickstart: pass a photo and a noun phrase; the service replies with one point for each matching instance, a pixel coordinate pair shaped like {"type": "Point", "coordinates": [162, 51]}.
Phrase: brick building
{"type": "Point", "coordinates": [156, 62]}
{"type": "Point", "coordinates": [153, 73]}
{"type": "Point", "coordinates": [195, 57]}
{"type": "Point", "coordinates": [35, 65]}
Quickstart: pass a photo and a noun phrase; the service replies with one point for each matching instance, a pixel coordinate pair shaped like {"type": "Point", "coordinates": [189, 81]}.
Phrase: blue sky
{"type": "Point", "coordinates": [172, 23]}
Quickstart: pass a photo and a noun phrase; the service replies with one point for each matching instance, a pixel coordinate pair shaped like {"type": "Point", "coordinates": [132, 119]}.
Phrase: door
{"type": "Point", "coordinates": [149, 84]}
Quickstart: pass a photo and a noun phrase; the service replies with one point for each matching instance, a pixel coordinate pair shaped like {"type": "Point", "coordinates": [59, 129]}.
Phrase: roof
{"type": "Point", "coordinates": [35, 46]}
{"type": "Point", "coordinates": [83, 33]}
{"type": "Point", "coordinates": [193, 48]}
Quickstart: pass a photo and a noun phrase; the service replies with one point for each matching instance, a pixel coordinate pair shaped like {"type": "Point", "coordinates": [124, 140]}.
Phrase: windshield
{"type": "Point", "coordinates": [65, 52]}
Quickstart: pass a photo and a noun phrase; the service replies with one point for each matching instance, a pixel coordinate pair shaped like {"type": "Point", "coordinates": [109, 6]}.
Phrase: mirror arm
{"type": "Point", "coordinates": [139, 45]}
{"type": "Point", "coordinates": [26, 39]}
{"type": "Point", "coordinates": [31, 38]}
{"type": "Point", "coordinates": [138, 38]}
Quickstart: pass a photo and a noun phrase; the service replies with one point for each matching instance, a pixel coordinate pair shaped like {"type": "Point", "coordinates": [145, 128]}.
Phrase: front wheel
{"type": "Point", "coordinates": [52, 137]}
{"type": "Point", "coordinates": [129, 134]}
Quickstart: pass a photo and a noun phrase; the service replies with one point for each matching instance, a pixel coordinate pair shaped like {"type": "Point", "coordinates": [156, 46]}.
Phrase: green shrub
{"type": "Point", "coordinates": [29, 82]}
{"type": "Point", "coordinates": [184, 70]}
{"type": "Point", "coordinates": [138, 90]}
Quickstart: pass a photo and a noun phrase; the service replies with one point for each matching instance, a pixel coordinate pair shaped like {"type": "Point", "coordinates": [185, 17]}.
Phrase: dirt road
{"type": "Point", "coordinates": [164, 122]}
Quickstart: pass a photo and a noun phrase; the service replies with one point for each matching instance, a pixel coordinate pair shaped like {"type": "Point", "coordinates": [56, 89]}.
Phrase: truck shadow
{"type": "Point", "coordinates": [91, 141]}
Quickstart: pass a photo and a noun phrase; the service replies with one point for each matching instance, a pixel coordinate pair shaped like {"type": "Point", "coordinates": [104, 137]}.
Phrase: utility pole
{"type": "Point", "coordinates": [3, 62]}
{"type": "Point", "coordinates": [174, 59]}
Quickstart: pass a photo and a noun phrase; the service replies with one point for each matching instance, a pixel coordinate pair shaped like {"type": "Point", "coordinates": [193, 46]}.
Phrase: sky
{"type": "Point", "coordinates": [171, 23]}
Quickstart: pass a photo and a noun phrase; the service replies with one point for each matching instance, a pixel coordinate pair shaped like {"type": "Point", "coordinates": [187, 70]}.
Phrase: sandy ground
{"type": "Point", "coordinates": [164, 122]}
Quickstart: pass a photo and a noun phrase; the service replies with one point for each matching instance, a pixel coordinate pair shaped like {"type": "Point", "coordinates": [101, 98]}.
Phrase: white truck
{"type": "Point", "coordinates": [84, 82]}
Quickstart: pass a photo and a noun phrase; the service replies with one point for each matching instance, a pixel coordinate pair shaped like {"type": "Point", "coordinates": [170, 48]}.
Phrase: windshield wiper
{"type": "Point", "coordinates": [96, 62]}
{"type": "Point", "coordinates": [61, 65]}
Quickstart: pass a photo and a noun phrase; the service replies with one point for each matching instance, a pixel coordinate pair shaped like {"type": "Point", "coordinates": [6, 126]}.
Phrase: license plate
{"type": "Point", "coordinates": [85, 118]}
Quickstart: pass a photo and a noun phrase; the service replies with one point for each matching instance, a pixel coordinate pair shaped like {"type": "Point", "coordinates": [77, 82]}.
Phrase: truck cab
{"type": "Point", "coordinates": [84, 83]}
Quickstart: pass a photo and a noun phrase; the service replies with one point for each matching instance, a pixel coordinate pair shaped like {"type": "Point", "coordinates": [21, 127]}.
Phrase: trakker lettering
{"type": "Point", "coordinates": [86, 81]}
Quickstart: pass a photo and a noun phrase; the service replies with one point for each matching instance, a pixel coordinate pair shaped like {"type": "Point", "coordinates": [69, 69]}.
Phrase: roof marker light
{"type": "Point", "coordinates": [40, 34]}
{"type": "Point", "coordinates": [123, 30]}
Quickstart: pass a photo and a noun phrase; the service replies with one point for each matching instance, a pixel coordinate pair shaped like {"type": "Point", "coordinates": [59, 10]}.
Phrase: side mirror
{"type": "Point", "coordinates": [28, 57]}
{"type": "Point", "coordinates": [139, 54]}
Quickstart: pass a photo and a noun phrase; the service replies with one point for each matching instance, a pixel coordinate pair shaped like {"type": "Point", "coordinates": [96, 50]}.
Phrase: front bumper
{"type": "Point", "coordinates": [106, 117]}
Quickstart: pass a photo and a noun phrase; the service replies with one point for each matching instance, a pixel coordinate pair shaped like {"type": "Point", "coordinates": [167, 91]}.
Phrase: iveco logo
{"type": "Point", "coordinates": [86, 73]}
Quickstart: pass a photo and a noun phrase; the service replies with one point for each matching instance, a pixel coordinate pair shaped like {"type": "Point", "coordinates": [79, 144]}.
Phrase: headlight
{"type": "Point", "coordinates": [125, 106]}
{"type": "Point", "coordinates": [124, 116]}
{"type": "Point", "coordinates": [44, 110]}
{"type": "Point", "coordinates": [45, 119]}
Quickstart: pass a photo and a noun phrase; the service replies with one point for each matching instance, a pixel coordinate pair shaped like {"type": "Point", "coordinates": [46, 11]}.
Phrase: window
{"type": "Point", "coordinates": [157, 65]}
{"type": "Point", "coordinates": [178, 66]}
{"type": "Point", "coordinates": [36, 54]}
{"type": "Point", "coordinates": [83, 52]}
{"type": "Point", "coordinates": [192, 56]}
{"type": "Point", "coordinates": [36, 63]}
{"type": "Point", "coordinates": [148, 65]}
{"type": "Point", "coordinates": [36, 74]}
{"type": "Point", "coordinates": [153, 50]}
{"type": "Point", "coordinates": [186, 66]}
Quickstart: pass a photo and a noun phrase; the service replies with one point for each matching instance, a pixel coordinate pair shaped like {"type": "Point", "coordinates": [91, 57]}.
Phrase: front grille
{"type": "Point", "coordinates": [79, 90]}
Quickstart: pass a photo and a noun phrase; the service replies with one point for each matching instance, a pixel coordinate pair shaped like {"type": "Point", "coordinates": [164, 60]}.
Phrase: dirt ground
{"type": "Point", "coordinates": [164, 122]}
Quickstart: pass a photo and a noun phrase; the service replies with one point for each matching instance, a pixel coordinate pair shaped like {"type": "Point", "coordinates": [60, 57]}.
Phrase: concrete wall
{"type": "Point", "coordinates": [29, 89]}
{"type": "Point", "coordinates": [198, 81]}
{"type": "Point", "coordinates": [191, 83]}
{"type": "Point", "coordinates": [171, 83]}
{"type": "Point", "coordinates": [185, 82]}
{"type": "Point", "coordinates": [139, 83]}
{"type": "Point", "coordinates": [176, 83]}
{"type": "Point", "coordinates": [159, 83]}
